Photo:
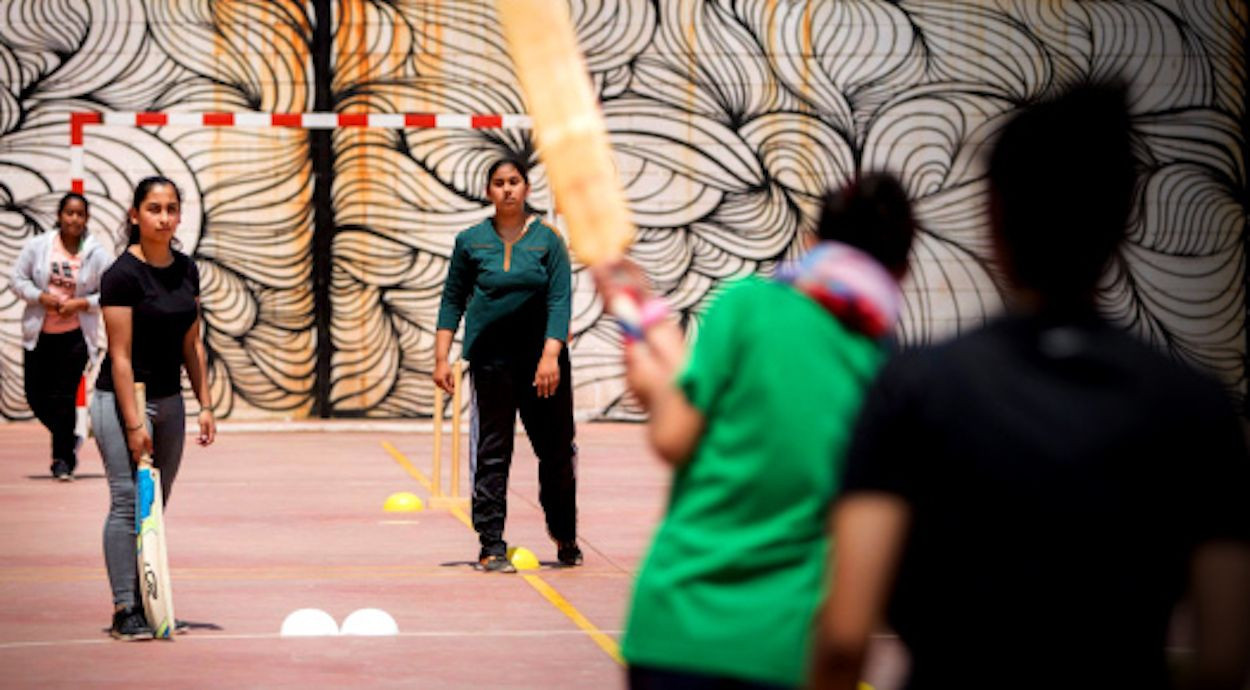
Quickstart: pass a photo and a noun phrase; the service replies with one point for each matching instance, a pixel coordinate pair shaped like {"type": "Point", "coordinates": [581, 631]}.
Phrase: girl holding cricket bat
{"type": "Point", "coordinates": [509, 278]}
{"type": "Point", "coordinates": [754, 417]}
{"type": "Point", "coordinates": [150, 298]}
{"type": "Point", "coordinates": [57, 275]}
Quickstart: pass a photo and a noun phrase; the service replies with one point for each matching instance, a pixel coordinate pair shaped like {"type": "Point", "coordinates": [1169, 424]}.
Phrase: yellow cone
{"type": "Point", "coordinates": [522, 558]}
{"type": "Point", "coordinates": [403, 502]}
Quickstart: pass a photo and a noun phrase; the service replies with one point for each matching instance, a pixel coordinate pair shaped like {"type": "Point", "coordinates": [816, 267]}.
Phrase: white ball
{"type": "Point", "coordinates": [309, 623]}
{"type": "Point", "coordinates": [370, 622]}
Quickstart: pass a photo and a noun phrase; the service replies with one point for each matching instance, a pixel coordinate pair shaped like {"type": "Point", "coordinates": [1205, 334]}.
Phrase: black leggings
{"type": "Point", "coordinates": [52, 372]}
{"type": "Point", "coordinates": [501, 389]}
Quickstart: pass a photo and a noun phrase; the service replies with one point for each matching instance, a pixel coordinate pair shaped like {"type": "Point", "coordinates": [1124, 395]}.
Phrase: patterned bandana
{"type": "Point", "coordinates": [849, 284]}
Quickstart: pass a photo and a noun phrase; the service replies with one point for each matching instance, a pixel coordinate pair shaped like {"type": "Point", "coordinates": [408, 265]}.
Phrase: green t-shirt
{"type": "Point", "coordinates": [511, 299]}
{"type": "Point", "coordinates": [736, 570]}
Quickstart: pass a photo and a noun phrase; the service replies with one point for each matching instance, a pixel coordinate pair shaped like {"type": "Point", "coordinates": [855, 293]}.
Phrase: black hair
{"type": "Point", "coordinates": [141, 192]}
{"type": "Point", "coordinates": [873, 215]}
{"type": "Point", "coordinates": [1062, 175]}
{"type": "Point", "coordinates": [522, 169]}
{"type": "Point", "coordinates": [72, 196]}
{"type": "Point", "coordinates": [517, 163]}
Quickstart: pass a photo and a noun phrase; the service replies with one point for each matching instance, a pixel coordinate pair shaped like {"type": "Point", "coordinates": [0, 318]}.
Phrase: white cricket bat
{"type": "Point", "coordinates": [153, 560]}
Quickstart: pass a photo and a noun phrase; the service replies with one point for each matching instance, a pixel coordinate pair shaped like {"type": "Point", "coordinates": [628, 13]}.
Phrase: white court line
{"type": "Point", "coordinates": [202, 637]}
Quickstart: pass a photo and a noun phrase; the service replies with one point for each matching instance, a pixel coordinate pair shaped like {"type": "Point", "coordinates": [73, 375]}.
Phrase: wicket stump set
{"type": "Point", "coordinates": [437, 498]}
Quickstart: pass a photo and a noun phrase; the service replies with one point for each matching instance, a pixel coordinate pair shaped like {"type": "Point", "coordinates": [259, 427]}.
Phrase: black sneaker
{"type": "Point", "coordinates": [495, 564]}
{"type": "Point", "coordinates": [129, 624]}
{"type": "Point", "coordinates": [568, 554]}
{"type": "Point", "coordinates": [61, 471]}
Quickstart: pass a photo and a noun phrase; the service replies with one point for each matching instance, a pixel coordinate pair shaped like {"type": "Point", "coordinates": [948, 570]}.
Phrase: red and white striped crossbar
{"type": "Point", "coordinates": [78, 121]}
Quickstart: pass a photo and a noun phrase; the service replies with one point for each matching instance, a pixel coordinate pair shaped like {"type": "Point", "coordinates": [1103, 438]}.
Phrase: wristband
{"type": "Point", "coordinates": [134, 428]}
{"type": "Point", "coordinates": [637, 318]}
{"type": "Point", "coordinates": [628, 313]}
{"type": "Point", "coordinates": [653, 311]}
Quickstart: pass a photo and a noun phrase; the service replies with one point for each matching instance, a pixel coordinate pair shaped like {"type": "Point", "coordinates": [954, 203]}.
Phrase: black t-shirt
{"type": "Point", "coordinates": [163, 303]}
{"type": "Point", "coordinates": [1060, 475]}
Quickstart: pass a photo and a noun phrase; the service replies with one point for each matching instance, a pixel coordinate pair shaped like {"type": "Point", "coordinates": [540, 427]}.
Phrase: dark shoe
{"type": "Point", "coordinates": [129, 624]}
{"type": "Point", "coordinates": [495, 564]}
{"type": "Point", "coordinates": [61, 470]}
{"type": "Point", "coordinates": [568, 554]}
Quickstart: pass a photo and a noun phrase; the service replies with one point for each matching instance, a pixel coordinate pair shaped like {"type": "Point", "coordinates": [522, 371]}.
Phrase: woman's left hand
{"type": "Point", "coordinates": [547, 378]}
{"type": "Point", "coordinates": [208, 427]}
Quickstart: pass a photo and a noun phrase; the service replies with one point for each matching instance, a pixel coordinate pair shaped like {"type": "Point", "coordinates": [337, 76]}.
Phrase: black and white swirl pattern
{"type": "Point", "coordinates": [729, 119]}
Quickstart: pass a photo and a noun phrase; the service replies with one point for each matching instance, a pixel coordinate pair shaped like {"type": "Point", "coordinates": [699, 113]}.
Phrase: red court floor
{"type": "Point", "coordinates": [267, 522]}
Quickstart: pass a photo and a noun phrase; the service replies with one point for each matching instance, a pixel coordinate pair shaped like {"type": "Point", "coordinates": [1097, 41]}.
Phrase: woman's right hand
{"type": "Point", "coordinates": [443, 377]}
{"type": "Point", "coordinates": [139, 442]}
{"type": "Point", "coordinates": [50, 301]}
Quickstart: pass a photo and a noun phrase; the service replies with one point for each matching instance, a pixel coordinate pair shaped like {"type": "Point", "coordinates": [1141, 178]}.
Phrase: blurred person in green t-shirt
{"type": "Point", "coordinates": [754, 418]}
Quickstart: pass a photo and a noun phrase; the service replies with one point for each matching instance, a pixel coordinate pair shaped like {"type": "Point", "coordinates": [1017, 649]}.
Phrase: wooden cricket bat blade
{"type": "Point", "coordinates": [569, 127]}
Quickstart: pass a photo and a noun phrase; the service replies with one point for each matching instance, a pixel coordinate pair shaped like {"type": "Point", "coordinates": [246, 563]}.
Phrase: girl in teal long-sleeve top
{"type": "Point", "coordinates": [509, 278]}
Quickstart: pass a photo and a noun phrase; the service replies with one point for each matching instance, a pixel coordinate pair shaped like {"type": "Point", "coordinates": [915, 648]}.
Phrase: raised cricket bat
{"type": "Point", "coordinates": [153, 561]}
{"type": "Point", "coordinates": [572, 139]}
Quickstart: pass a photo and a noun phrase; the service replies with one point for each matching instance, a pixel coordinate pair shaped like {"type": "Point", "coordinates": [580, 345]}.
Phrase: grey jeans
{"type": "Point", "coordinates": [167, 426]}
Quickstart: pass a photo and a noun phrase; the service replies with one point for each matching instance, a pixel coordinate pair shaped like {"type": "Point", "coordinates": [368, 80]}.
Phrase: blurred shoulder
{"type": "Point", "coordinates": [546, 232]}
{"type": "Point", "coordinates": [187, 262]}
{"type": "Point", "coordinates": [38, 243]}
{"type": "Point", "coordinates": [93, 248]}
{"type": "Point", "coordinates": [125, 263]}
{"type": "Point", "coordinates": [926, 364]}
{"type": "Point", "coordinates": [476, 232]}
{"type": "Point", "coordinates": [746, 294]}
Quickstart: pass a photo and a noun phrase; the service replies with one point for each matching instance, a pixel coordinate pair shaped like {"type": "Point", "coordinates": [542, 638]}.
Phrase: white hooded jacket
{"type": "Point", "coordinates": [30, 277]}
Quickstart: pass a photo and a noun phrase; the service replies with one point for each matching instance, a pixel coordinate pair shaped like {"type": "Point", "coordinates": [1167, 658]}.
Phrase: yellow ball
{"type": "Point", "coordinates": [403, 502]}
{"type": "Point", "coordinates": [522, 558]}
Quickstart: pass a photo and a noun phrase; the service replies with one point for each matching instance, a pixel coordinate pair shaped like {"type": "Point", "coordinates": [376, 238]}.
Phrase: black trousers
{"type": "Point", "coordinates": [501, 390]}
{"type": "Point", "coordinates": [52, 371]}
{"type": "Point", "coordinates": [649, 678]}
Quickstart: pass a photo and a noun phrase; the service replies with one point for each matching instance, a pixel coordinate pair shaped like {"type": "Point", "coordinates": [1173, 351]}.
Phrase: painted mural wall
{"type": "Point", "coordinates": [323, 251]}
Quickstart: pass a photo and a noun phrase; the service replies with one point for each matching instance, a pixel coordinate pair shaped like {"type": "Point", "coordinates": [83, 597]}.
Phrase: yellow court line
{"type": "Point", "coordinates": [420, 476]}
{"type": "Point", "coordinates": [408, 466]}
{"type": "Point", "coordinates": [607, 644]}
{"type": "Point", "coordinates": [462, 517]}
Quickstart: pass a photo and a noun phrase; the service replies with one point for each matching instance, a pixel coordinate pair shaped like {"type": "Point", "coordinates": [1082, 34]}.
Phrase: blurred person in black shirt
{"type": "Point", "coordinates": [1025, 505]}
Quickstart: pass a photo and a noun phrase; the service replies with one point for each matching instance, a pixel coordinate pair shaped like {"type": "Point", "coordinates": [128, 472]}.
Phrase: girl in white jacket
{"type": "Point", "coordinates": [57, 275]}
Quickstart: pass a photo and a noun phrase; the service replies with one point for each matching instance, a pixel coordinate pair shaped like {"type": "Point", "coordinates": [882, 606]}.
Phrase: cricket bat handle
{"type": "Point", "coordinates": [141, 402]}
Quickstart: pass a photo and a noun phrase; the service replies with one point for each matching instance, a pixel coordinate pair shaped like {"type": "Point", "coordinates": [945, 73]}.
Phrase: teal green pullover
{"type": "Point", "coordinates": [505, 299]}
